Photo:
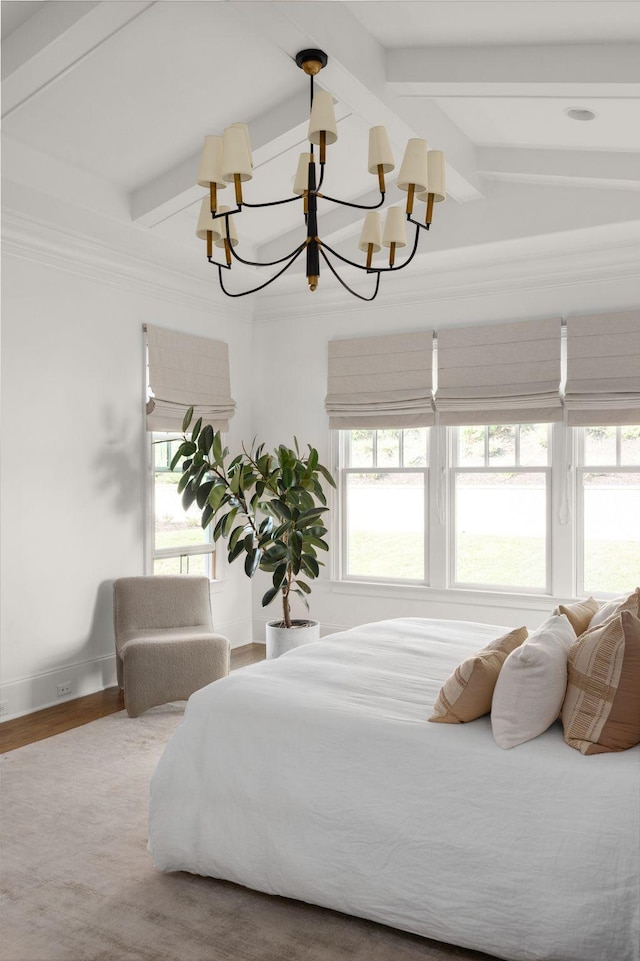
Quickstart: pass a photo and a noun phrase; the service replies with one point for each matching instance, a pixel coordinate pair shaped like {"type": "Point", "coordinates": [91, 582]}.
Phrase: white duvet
{"type": "Point", "coordinates": [316, 776]}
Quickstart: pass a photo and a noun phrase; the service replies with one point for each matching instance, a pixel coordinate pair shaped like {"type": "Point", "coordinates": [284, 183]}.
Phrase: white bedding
{"type": "Point", "coordinates": [316, 776]}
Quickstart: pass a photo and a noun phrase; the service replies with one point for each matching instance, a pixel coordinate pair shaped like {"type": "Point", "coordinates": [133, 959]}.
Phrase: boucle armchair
{"type": "Point", "coordinates": [166, 647]}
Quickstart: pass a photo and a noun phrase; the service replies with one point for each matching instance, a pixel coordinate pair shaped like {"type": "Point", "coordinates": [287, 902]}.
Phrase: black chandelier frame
{"type": "Point", "coordinates": [311, 61]}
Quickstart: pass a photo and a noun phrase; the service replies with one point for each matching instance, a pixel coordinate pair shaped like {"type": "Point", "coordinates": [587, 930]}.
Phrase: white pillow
{"type": "Point", "coordinates": [625, 602]}
{"type": "Point", "coordinates": [531, 686]}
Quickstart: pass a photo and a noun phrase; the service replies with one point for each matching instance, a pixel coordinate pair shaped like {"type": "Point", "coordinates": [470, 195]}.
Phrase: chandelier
{"type": "Point", "coordinates": [227, 160]}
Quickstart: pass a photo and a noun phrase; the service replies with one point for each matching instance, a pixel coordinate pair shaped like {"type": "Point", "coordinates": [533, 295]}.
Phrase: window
{"type": "Point", "coordinates": [180, 546]}
{"type": "Point", "coordinates": [500, 485]}
{"type": "Point", "coordinates": [608, 508]}
{"type": "Point", "coordinates": [384, 495]}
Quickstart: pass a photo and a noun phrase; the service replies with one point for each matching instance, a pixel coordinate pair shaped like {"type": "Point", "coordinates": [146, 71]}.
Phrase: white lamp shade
{"type": "Point", "coordinates": [301, 180]}
{"type": "Point", "coordinates": [220, 232]}
{"type": "Point", "coordinates": [379, 151]}
{"type": "Point", "coordinates": [414, 166]}
{"type": "Point", "coordinates": [206, 222]}
{"type": "Point", "coordinates": [435, 177]}
{"type": "Point", "coordinates": [236, 156]}
{"type": "Point", "coordinates": [210, 169]}
{"type": "Point", "coordinates": [245, 130]}
{"type": "Point", "coordinates": [394, 228]}
{"type": "Point", "coordinates": [322, 118]}
{"type": "Point", "coordinates": [371, 232]}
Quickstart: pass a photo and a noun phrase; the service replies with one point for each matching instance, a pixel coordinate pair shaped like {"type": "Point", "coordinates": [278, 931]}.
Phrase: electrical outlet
{"type": "Point", "coordinates": [3, 707]}
{"type": "Point", "coordinates": [64, 689]}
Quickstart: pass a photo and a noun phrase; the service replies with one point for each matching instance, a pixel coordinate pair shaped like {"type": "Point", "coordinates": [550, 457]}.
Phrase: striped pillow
{"type": "Point", "coordinates": [601, 710]}
{"type": "Point", "coordinates": [617, 605]}
{"type": "Point", "coordinates": [579, 614]}
{"type": "Point", "coordinates": [467, 693]}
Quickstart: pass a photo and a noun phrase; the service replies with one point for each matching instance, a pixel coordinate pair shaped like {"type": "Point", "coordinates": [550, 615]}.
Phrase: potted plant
{"type": "Point", "coordinates": [268, 507]}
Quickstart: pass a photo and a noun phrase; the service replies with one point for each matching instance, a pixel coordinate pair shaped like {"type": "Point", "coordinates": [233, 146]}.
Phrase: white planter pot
{"type": "Point", "coordinates": [283, 639]}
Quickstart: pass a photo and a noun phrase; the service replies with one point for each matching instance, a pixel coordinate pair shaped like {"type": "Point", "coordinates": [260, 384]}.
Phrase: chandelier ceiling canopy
{"type": "Point", "coordinates": [227, 160]}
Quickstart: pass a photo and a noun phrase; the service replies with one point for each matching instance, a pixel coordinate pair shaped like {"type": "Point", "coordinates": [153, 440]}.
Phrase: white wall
{"type": "Point", "coordinates": [578, 273]}
{"type": "Point", "coordinates": [74, 450]}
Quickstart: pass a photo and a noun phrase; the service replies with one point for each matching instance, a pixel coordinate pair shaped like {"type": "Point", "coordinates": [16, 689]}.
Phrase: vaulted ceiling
{"type": "Point", "coordinates": [106, 104]}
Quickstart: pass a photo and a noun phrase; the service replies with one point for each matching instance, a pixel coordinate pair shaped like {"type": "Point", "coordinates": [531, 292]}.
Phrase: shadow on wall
{"type": "Point", "coordinates": [94, 652]}
{"type": "Point", "coordinates": [120, 466]}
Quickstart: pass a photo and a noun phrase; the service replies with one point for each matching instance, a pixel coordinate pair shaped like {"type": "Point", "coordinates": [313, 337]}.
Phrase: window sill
{"type": "Point", "coordinates": [457, 596]}
{"type": "Point", "coordinates": [218, 585]}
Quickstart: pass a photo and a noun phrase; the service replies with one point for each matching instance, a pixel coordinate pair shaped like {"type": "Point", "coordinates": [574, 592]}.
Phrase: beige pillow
{"type": "Point", "coordinates": [601, 710]}
{"type": "Point", "coordinates": [579, 614]}
{"type": "Point", "coordinates": [531, 687]}
{"type": "Point", "coordinates": [466, 694]}
{"type": "Point", "coordinates": [626, 602]}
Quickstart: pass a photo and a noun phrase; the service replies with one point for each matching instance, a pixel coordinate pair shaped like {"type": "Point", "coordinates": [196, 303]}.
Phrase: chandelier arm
{"type": "Point", "coordinates": [268, 263]}
{"type": "Point", "coordinates": [345, 285]}
{"type": "Point", "coordinates": [243, 293]}
{"type": "Point", "coordinates": [322, 166]}
{"type": "Point", "coordinates": [270, 203]}
{"type": "Point", "coordinates": [347, 203]}
{"type": "Point", "coordinates": [376, 270]}
{"type": "Point", "coordinates": [416, 223]}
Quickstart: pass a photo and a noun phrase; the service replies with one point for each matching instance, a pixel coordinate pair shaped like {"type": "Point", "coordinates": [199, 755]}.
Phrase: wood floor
{"type": "Point", "coordinates": [82, 710]}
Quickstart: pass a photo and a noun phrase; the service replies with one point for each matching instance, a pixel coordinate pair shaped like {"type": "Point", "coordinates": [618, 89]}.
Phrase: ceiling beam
{"type": "Point", "coordinates": [582, 168]}
{"type": "Point", "coordinates": [521, 71]}
{"type": "Point", "coordinates": [54, 41]}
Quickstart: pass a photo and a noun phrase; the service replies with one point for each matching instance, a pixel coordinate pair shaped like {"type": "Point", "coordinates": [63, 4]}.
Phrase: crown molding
{"type": "Point", "coordinates": [42, 242]}
{"type": "Point", "coordinates": [576, 258]}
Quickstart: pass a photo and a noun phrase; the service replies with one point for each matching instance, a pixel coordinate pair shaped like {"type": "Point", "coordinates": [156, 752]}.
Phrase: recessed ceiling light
{"type": "Point", "coordinates": [580, 113]}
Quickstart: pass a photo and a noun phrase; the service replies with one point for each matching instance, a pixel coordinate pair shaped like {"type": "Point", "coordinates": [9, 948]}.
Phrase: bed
{"type": "Point", "coordinates": [317, 777]}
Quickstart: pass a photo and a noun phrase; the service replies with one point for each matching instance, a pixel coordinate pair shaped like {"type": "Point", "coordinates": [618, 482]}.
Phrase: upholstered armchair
{"type": "Point", "coordinates": [166, 647]}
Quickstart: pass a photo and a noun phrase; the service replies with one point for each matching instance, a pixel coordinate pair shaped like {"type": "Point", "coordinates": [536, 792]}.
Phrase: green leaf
{"type": "Point", "coordinates": [310, 565]}
{"type": "Point", "coordinates": [203, 493]}
{"type": "Point", "coordinates": [196, 429]}
{"type": "Point", "coordinates": [280, 509]}
{"type": "Point", "coordinates": [217, 531]}
{"type": "Point", "coordinates": [303, 587]}
{"type": "Point", "coordinates": [176, 457]}
{"type": "Point", "coordinates": [216, 447]}
{"type": "Point", "coordinates": [327, 476]}
{"type": "Point", "coordinates": [317, 542]}
{"type": "Point", "coordinates": [252, 561]}
{"type": "Point", "coordinates": [235, 551]}
{"type": "Point", "coordinates": [235, 536]}
{"type": "Point", "coordinates": [270, 595]}
{"type": "Point", "coordinates": [205, 439]}
{"type": "Point", "coordinates": [276, 553]}
{"type": "Point", "coordinates": [207, 516]}
{"type": "Point", "coordinates": [187, 420]}
{"type": "Point", "coordinates": [217, 495]}
{"type": "Point", "coordinates": [266, 526]}
{"type": "Point", "coordinates": [312, 460]}
{"type": "Point", "coordinates": [188, 496]}
{"type": "Point", "coordinates": [228, 520]}
{"type": "Point", "coordinates": [184, 480]}
{"type": "Point", "coordinates": [303, 599]}
{"type": "Point", "coordinates": [279, 575]}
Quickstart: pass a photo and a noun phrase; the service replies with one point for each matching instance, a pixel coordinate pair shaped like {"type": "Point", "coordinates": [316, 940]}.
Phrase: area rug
{"type": "Point", "coordinates": [79, 885]}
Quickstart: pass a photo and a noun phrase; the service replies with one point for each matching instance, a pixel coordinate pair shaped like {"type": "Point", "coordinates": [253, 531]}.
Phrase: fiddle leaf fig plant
{"type": "Point", "coordinates": [268, 507]}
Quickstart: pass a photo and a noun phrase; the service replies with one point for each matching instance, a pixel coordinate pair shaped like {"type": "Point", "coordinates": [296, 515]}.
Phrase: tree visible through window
{"type": "Point", "coordinates": [180, 546]}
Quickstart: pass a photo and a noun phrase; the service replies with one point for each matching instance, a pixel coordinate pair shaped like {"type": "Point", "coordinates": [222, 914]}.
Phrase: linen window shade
{"type": "Point", "coordinates": [378, 382]}
{"type": "Point", "coordinates": [185, 370]}
{"type": "Point", "coordinates": [499, 373]}
{"type": "Point", "coordinates": [603, 369]}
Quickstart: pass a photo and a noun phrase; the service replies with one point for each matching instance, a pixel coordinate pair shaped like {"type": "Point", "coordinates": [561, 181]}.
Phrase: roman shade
{"type": "Point", "coordinates": [380, 382]}
{"type": "Point", "coordinates": [186, 371]}
{"type": "Point", "coordinates": [499, 373]}
{"type": "Point", "coordinates": [603, 369]}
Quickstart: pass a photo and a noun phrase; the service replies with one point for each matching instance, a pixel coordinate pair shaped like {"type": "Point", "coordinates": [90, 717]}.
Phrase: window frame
{"type": "Point", "coordinates": [341, 456]}
{"type": "Point", "coordinates": [581, 469]}
{"type": "Point", "coordinates": [182, 552]}
{"type": "Point", "coordinates": [454, 470]}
